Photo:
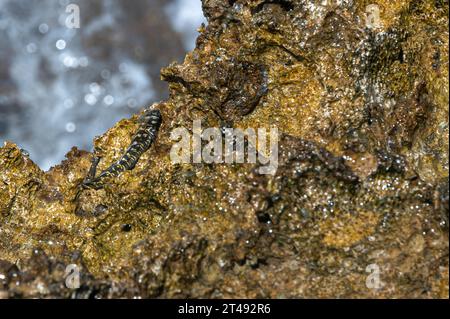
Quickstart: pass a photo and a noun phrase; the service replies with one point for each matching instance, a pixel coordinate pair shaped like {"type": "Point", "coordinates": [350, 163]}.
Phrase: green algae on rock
{"type": "Point", "coordinates": [362, 177]}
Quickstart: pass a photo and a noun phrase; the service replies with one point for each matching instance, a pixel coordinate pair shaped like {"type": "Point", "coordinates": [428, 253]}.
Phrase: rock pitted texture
{"type": "Point", "coordinates": [362, 107]}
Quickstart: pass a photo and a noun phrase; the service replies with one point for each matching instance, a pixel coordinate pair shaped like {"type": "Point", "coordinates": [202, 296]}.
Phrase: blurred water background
{"type": "Point", "coordinates": [60, 87]}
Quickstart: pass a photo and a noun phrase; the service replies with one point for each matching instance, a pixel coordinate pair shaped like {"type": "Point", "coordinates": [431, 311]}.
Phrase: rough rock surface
{"type": "Point", "coordinates": [362, 107]}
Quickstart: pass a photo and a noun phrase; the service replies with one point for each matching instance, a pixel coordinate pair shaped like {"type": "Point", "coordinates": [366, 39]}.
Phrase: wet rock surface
{"type": "Point", "coordinates": [362, 184]}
